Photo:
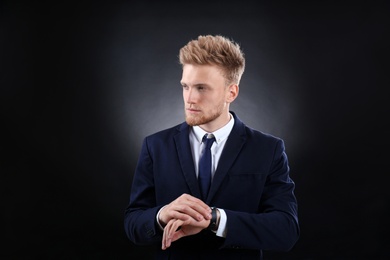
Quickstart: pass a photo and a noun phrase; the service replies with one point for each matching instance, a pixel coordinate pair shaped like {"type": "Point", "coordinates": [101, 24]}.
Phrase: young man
{"type": "Point", "coordinates": [231, 205]}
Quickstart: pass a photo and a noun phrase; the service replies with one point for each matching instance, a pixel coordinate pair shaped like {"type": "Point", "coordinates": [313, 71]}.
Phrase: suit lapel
{"type": "Point", "coordinates": [186, 161]}
{"type": "Point", "coordinates": [233, 146]}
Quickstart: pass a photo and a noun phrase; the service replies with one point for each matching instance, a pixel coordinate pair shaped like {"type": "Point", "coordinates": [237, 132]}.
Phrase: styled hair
{"type": "Point", "coordinates": [215, 50]}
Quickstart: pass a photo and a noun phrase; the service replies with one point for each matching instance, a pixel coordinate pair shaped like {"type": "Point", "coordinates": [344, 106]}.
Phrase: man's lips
{"type": "Point", "coordinates": [192, 110]}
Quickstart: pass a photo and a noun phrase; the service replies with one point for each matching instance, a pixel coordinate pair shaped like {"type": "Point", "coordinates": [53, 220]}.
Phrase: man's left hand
{"type": "Point", "coordinates": [176, 229]}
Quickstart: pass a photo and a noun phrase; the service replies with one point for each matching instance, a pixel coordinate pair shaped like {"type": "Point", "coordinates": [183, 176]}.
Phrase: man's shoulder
{"type": "Point", "coordinates": [255, 135]}
{"type": "Point", "coordinates": [242, 129]}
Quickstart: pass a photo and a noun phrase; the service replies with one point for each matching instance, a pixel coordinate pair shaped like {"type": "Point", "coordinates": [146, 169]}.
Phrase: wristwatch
{"type": "Point", "coordinates": [213, 226]}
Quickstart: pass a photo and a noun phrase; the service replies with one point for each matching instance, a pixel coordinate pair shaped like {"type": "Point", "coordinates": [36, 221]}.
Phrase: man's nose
{"type": "Point", "coordinates": [190, 96]}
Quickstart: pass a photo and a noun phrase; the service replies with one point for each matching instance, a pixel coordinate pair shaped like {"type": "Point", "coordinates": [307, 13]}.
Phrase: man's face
{"type": "Point", "coordinates": [205, 96]}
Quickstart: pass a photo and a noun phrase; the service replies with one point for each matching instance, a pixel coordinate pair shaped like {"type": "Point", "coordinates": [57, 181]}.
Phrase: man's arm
{"type": "Point", "coordinates": [140, 216]}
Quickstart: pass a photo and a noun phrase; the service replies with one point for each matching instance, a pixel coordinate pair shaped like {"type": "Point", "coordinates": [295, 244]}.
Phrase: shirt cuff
{"type": "Point", "coordinates": [158, 222]}
{"type": "Point", "coordinates": [222, 230]}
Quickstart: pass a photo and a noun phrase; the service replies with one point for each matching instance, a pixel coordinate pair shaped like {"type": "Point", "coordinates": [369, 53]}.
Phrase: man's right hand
{"type": "Point", "coordinates": [183, 208]}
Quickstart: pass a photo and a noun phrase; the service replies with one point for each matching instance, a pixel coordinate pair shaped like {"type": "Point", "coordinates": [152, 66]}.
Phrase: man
{"type": "Point", "coordinates": [245, 204]}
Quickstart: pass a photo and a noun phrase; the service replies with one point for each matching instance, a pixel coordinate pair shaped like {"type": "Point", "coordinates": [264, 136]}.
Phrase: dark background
{"type": "Point", "coordinates": [82, 84]}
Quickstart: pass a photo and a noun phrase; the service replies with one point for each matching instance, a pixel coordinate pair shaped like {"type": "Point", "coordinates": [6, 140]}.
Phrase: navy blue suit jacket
{"type": "Point", "coordinates": [251, 183]}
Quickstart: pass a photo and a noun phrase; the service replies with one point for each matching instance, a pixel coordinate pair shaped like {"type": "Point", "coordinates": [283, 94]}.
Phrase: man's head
{"type": "Point", "coordinates": [212, 69]}
{"type": "Point", "coordinates": [215, 50]}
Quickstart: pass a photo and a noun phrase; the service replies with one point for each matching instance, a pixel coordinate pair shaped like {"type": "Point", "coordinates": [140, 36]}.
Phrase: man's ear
{"type": "Point", "coordinates": [233, 93]}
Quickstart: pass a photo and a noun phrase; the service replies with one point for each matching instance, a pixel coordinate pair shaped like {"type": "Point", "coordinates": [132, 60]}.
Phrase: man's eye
{"type": "Point", "coordinates": [185, 86]}
{"type": "Point", "coordinates": [200, 88]}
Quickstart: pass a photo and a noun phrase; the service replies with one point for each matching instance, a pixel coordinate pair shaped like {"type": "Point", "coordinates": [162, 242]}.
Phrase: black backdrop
{"type": "Point", "coordinates": [82, 84]}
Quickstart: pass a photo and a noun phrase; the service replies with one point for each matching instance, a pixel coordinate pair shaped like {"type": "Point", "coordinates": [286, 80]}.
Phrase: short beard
{"type": "Point", "coordinates": [201, 120]}
{"type": "Point", "coordinates": [193, 121]}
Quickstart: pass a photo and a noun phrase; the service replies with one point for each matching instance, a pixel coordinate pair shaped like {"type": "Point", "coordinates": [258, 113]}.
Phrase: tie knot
{"type": "Point", "coordinates": [208, 139]}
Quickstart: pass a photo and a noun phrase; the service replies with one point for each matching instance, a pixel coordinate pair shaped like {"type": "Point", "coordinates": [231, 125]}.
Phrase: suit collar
{"type": "Point", "coordinates": [185, 157]}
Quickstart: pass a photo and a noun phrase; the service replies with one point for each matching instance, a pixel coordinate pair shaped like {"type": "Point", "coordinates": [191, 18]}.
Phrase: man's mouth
{"type": "Point", "coordinates": [193, 110]}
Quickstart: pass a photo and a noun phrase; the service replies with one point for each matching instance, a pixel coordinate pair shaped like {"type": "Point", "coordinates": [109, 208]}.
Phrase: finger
{"type": "Point", "coordinates": [172, 211]}
{"type": "Point", "coordinates": [197, 202]}
{"type": "Point", "coordinates": [177, 234]}
{"type": "Point", "coordinates": [163, 243]}
{"type": "Point", "coordinates": [165, 239]}
{"type": "Point", "coordinates": [193, 207]}
{"type": "Point", "coordinates": [186, 212]}
{"type": "Point", "coordinates": [170, 230]}
{"type": "Point", "coordinates": [174, 227]}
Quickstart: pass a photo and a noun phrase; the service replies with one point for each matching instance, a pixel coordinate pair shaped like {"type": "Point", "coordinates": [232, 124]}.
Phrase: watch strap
{"type": "Point", "coordinates": [213, 221]}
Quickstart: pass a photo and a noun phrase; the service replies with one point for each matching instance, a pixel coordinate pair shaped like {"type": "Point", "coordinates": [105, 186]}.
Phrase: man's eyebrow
{"type": "Point", "coordinates": [195, 85]}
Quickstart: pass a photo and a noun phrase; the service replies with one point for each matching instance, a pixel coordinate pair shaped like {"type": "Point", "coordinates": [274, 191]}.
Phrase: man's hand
{"type": "Point", "coordinates": [185, 208]}
{"type": "Point", "coordinates": [177, 228]}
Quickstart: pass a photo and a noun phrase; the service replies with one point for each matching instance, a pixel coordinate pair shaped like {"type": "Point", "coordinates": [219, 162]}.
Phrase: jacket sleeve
{"type": "Point", "coordinates": [140, 215]}
{"type": "Point", "coordinates": [275, 225]}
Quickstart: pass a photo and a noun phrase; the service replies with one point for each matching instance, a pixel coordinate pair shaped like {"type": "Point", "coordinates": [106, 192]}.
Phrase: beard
{"type": "Point", "coordinates": [199, 120]}
{"type": "Point", "coordinates": [195, 120]}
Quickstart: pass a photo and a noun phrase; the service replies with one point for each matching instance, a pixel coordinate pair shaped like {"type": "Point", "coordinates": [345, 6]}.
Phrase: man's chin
{"type": "Point", "coordinates": [193, 121]}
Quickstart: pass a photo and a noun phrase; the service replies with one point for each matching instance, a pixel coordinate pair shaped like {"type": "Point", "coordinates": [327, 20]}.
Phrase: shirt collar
{"type": "Point", "coordinates": [220, 135]}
